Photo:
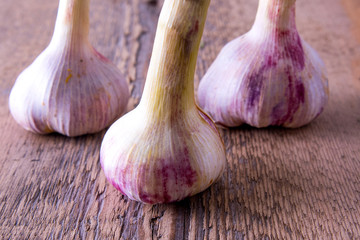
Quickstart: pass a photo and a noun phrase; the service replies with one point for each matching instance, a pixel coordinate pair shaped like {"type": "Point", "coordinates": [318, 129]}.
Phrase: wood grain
{"type": "Point", "coordinates": [279, 183]}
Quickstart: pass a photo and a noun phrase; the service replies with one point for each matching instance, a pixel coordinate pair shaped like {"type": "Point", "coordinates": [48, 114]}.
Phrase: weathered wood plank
{"type": "Point", "coordinates": [279, 183]}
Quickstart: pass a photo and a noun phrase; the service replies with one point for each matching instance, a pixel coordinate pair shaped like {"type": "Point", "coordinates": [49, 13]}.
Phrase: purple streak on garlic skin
{"type": "Point", "coordinates": [173, 172]}
{"type": "Point", "coordinates": [269, 76]}
{"type": "Point", "coordinates": [178, 170]}
{"type": "Point", "coordinates": [100, 56]}
{"type": "Point", "coordinates": [208, 120]}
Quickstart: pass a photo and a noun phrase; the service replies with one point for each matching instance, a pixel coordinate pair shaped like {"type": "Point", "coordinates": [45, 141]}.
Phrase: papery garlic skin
{"type": "Point", "coordinates": [167, 166]}
{"type": "Point", "coordinates": [167, 149]}
{"type": "Point", "coordinates": [70, 88]}
{"type": "Point", "coordinates": [268, 76]}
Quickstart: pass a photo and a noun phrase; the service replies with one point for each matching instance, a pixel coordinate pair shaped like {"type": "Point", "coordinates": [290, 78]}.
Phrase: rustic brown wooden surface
{"type": "Point", "coordinates": [279, 183]}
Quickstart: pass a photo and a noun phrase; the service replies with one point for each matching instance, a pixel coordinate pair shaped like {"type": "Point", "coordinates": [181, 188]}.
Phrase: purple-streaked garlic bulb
{"type": "Point", "coordinates": [70, 88]}
{"type": "Point", "coordinates": [167, 149]}
{"type": "Point", "coordinates": [268, 76]}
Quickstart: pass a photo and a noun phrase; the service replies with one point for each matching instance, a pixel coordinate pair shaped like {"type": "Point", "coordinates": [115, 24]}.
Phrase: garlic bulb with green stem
{"type": "Point", "coordinates": [269, 76]}
{"type": "Point", "coordinates": [167, 149]}
{"type": "Point", "coordinates": [70, 88]}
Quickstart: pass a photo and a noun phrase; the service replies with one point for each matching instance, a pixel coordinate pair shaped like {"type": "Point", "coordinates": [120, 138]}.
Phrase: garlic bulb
{"type": "Point", "coordinates": [167, 149]}
{"type": "Point", "coordinates": [269, 76]}
{"type": "Point", "coordinates": [70, 88]}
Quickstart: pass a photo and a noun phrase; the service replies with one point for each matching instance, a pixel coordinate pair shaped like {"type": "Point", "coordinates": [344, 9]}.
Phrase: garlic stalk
{"type": "Point", "coordinates": [70, 88]}
{"type": "Point", "coordinates": [167, 149]}
{"type": "Point", "coordinates": [269, 76]}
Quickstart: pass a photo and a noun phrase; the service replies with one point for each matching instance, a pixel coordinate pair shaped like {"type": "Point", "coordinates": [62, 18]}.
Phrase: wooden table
{"type": "Point", "coordinates": [279, 183]}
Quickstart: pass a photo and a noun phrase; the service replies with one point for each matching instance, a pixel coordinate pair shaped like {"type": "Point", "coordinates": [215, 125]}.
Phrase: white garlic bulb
{"type": "Point", "coordinates": [269, 76]}
{"type": "Point", "coordinates": [70, 88]}
{"type": "Point", "coordinates": [167, 149]}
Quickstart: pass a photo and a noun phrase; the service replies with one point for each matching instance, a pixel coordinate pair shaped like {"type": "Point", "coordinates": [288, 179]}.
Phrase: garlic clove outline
{"type": "Point", "coordinates": [70, 88]}
{"type": "Point", "coordinates": [167, 149]}
{"type": "Point", "coordinates": [268, 76]}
